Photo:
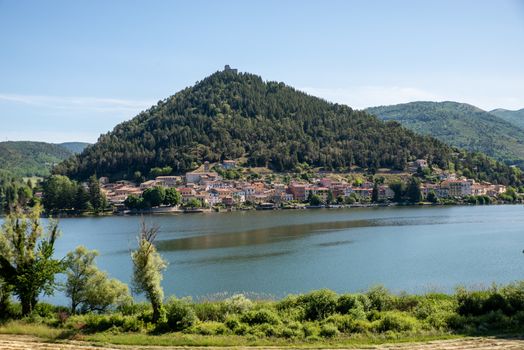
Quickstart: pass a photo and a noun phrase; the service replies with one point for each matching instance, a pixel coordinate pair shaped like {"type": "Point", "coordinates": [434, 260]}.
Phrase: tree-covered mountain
{"type": "Point", "coordinates": [74, 147]}
{"type": "Point", "coordinates": [28, 158]}
{"type": "Point", "coordinates": [514, 117]}
{"type": "Point", "coordinates": [460, 125]}
{"type": "Point", "coordinates": [233, 115]}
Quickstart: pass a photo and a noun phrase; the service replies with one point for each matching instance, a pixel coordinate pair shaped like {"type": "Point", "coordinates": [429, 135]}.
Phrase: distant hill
{"type": "Point", "coordinates": [514, 117]}
{"type": "Point", "coordinates": [461, 125]}
{"type": "Point", "coordinates": [74, 147]}
{"type": "Point", "coordinates": [29, 158]}
{"type": "Point", "coordinates": [230, 115]}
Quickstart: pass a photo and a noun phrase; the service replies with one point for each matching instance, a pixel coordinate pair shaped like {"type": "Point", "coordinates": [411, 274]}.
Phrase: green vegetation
{"type": "Point", "coordinates": [61, 194]}
{"type": "Point", "coordinates": [74, 147]}
{"type": "Point", "coordinates": [27, 266]}
{"type": "Point", "coordinates": [15, 193]}
{"type": "Point", "coordinates": [27, 158]}
{"type": "Point", "coordinates": [147, 271]}
{"type": "Point", "coordinates": [232, 116]}
{"type": "Point", "coordinates": [102, 310]}
{"type": "Point", "coordinates": [154, 197]}
{"type": "Point", "coordinates": [319, 317]}
{"type": "Point", "coordinates": [514, 117]}
{"type": "Point", "coordinates": [88, 287]}
{"type": "Point", "coordinates": [462, 125]}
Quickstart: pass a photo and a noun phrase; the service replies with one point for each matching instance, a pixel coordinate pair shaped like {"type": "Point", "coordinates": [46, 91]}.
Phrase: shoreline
{"type": "Point", "coordinates": [176, 211]}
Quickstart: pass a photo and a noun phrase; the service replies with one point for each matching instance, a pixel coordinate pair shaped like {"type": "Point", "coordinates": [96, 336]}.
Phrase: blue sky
{"type": "Point", "coordinates": [71, 70]}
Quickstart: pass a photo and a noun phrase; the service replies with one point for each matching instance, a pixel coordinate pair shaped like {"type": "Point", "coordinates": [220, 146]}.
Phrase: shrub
{"type": "Point", "coordinates": [514, 296]}
{"type": "Point", "coordinates": [380, 298]}
{"type": "Point", "coordinates": [348, 302]}
{"type": "Point", "coordinates": [237, 304]}
{"type": "Point", "coordinates": [310, 329]}
{"type": "Point", "coordinates": [476, 303]}
{"type": "Point", "coordinates": [179, 315]}
{"type": "Point", "coordinates": [328, 330]}
{"type": "Point", "coordinates": [260, 317]}
{"type": "Point", "coordinates": [318, 304]}
{"type": "Point", "coordinates": [397, 322]}
{"type": "Point", "coordinates": [232, 322]}
{"type": "Point", "coordinates": [208, 328]}
{"type": "Point", "coordinates": [210, 311]}
{"type": "Point", "coordinates": [132, 308]}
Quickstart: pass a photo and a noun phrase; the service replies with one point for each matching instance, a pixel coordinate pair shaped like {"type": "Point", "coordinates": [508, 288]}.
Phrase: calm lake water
{"type": "Point", "coordinates": [413, 249]}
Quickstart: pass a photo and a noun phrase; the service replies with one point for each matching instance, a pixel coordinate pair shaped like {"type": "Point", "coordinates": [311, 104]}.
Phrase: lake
{"type": "Point", "coordinates": [274, 253]}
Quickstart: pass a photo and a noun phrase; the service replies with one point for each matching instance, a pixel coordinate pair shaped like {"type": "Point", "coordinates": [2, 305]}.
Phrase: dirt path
{"type": "Point", "coordinates": [15, 342]}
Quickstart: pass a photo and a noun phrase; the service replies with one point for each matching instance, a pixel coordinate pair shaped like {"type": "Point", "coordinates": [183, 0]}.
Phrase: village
{"type": "Point", "coordinates": [209, 189]}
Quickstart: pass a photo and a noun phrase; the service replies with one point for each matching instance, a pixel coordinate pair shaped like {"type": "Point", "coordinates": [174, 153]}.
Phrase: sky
{"type": "Point", "coordinates": [72, 70]}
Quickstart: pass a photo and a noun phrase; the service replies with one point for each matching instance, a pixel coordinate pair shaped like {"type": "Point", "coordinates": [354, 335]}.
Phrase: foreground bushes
{"type": "Point", "coordinates": [316, 315]}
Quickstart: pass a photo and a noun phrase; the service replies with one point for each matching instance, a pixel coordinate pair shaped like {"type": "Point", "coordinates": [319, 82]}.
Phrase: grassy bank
{"type": "Point", "coordinates": [319, 318]}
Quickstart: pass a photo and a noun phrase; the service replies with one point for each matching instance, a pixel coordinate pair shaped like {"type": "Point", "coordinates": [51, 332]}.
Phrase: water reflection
{"type": "Point", "coordinates": [270, 235]}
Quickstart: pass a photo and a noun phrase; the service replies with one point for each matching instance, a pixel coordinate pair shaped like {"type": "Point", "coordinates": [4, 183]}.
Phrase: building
{"type": "Point", "coordinates": [229, 164]}
{"type": "Point", "coordinates": [168, 181]}
{"type": "Point", "coordinates": [298, 190]}
{"type": "Point", "coordinates": [458, 188]}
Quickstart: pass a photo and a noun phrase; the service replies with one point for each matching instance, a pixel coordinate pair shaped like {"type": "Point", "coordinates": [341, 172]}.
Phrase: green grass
{"type": "Point", "coordinates": [52, 334]}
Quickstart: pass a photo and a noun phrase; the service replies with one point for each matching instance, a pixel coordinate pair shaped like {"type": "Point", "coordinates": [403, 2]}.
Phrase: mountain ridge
{"type": "Point", "coordinates": [461, 125]}
{"type": "Point", "coordinates": [230, 115]}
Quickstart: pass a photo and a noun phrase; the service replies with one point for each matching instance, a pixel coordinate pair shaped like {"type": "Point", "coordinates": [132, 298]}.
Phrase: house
{"type": "Point", "coordinates": [168, 181]}
{"type": "Point", "coordinates": [197, 177]}
{"type": "Point", "coordinates": [385, 193]}
{"type": "Point", "coordinates": [229, 164]}
{"type": "Point", "coordinates": [421, 163]}
{"type": "Point", "coordinates": [458, 188]}
{"type": "Point", "coordinates": [298, 190]}
{"type": "Point", "coordinates": [187, 193]}
{"type": "Point", "coordinates": [148, 184]}
{"type": "Point", "coordinates": [322, 192]}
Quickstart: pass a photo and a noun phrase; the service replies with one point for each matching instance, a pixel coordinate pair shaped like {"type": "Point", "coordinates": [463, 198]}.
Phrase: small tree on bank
{"type": "Point", "coordinates": [26, 257]}
{"type": "Point", "coordinates": [87, 286]}
{"type": "Point", "coordinates": [148, 265]}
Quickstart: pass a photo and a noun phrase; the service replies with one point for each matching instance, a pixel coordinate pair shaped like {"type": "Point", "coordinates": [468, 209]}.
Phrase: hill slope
{"type": "Point", "coordinates": [28, 158]}
{"type": "Point", "coordinates": [74, 147]}
{"type": "Point", "coordinates": [514, 117]}
{"type": "Point", "coordinates": [460, 125]}
{"type": "Point", "coordinates": [230, 115]}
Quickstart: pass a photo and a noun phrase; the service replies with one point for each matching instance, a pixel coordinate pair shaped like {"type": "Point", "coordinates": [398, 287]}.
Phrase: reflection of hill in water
{"type": "Point", "coordinates": [288, 232]}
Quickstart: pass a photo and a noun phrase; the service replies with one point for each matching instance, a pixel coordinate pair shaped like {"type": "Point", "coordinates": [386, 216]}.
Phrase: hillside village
{"type": "Point", "coordinates": [208, 189]}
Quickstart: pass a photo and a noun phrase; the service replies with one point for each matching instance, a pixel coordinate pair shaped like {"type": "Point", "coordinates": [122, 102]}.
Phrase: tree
{"type": "Point", "coordinates": [172, 197]}
{"type": "Point", "coordinates": [87, 286]}
{"type": "Point", "coordinates": [96, 197]}
{"type": "Point", "coordinates": [193, 203]}
{"type": "Point", "coordinates": [58, 193]}
{"type": "Point", "coordinates": [374, 194]}
{"type": "Point", "coordinates": [154, 196]}
{"type": "Point", "coordinates": [413, 191]}
{"type": "Point", "coordinates": [148, 265]}
{"type": "Point", "coordinates": [314, 200]}
{"type": "Point", "coordinates": [81, 199]}
{"type": "Point", "coordinates": [330, 198]}
{"type": "Point", "coordinates": [398, 189]}
{"type": "Point", "coordinates": [26, 260]}
{"type": "Point", "coordinates": [134, 202]}
{"type": "Point", "coordinates": [79, 269]}
{"type": "Point", "coordinates": [432, 197]}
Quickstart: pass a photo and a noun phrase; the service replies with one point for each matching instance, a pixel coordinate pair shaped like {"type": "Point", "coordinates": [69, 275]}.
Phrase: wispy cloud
{"type": "Point", "coordinates": [78, 103]}
{"type": "Point", "coordinates": [367, 96]}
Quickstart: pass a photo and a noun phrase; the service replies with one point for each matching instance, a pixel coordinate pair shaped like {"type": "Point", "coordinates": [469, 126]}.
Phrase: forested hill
{"type": "Point", "coordinates": [233, 115]}
{"type": "Point", "coordinates": [28, 158]}
{"type": "Point", "coordinates": [460, 125]}
{"type": "Point", "coordinates": [514, 117]}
